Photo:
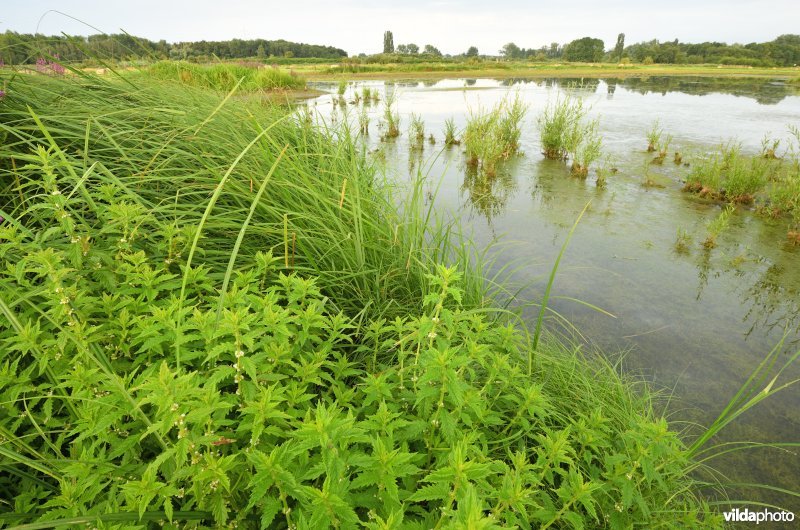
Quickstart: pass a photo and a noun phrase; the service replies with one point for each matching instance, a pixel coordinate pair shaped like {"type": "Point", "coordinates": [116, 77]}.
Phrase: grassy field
{"type": "Point", "coordinates": [214, 313]}
{"type": "Point", "coordinates": [499, 69]}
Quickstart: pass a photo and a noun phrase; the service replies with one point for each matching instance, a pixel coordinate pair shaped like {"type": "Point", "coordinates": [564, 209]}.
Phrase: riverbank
{"type": "Point", "coordinates": [504, 70]}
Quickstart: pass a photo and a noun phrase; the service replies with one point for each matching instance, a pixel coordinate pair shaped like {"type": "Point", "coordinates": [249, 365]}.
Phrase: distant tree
{"type": "Point", "coordinates": [432, 50]}
{"type": "Point", "coordinates": [620, 47]}
{"type": "Point", "coordinates": [586, 50]}
{"type": "Point", "coordinates": [413, 49]}
{"type": "Point", "coordinates": [388, 42]}
{"type": "Point", "coordinates": [511, 51]}
{"type": "Point", "coordinates": [261, 51]}
{"type": "Point", "coordinates": [402, 48]}
{"type": "Point", "coordinates": [472, 52]}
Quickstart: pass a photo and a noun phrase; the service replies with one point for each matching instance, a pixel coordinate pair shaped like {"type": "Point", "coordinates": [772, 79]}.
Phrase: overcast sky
{"type": "Point", "coordinates": [451, 25]}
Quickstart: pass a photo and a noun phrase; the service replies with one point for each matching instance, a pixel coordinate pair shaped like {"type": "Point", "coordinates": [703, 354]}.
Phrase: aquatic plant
{"type": "Point", "coordinates": [683, 241]}
{"type": "Point", "coordinates": [391, 118]}
{"type": "Point", "coordinates": [654, 136]}
{"type": "Point", "coordinates": [416, 131]}
{"type": "Point", "coordinates": [587, 150]}
{"type": "Point", "coordinates": [769, 147]}
{"type": "Point", "coordinates": [561, 125]}
{"type": "Point", "coordinates": [565, 133]}
{"type": "Point", "coordinates": [342, 88]}
{"type": "Point", "coordinates": [450, 138]}
{"type": "Point", "coordinates": [363, 121]}
{"type": "Point", "coordinates": [492, 135]}
{"type": "Point", "coordinates": [663, 149]}
{"type": "Point", "coordinates": [716, 226]}
{"type": "Point", "coordinates": [728, 175]}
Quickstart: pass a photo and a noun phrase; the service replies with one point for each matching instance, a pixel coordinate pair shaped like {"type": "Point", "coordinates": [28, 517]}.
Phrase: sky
{"type": "Point", "coordinates": [452, 26]}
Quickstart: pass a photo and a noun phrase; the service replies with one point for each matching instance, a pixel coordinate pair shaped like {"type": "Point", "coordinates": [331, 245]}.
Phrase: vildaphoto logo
{"type": "Point", "coordinates": [764, 516]}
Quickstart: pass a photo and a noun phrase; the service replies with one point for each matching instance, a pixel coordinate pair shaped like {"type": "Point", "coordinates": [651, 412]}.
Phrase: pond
{"type": "Point", "coordinates": [694, 323]}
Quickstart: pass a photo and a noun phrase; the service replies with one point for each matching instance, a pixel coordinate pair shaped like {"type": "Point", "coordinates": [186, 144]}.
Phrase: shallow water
{"type": "Point", "coordinates": [695, 323]}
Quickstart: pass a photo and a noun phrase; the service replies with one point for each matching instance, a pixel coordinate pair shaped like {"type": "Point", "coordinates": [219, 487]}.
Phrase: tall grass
{"type": "Point", "coordinates": [391, 117]}
{"type": "Point", "coordinates": [492, 135]}
{"type": "Point", "coordinates": [565, 132]}
{"type": "Point", "coordinates": [174, 143]}
{"type": "Point", "coordinates": [450, 137]}
{"type": "Point", "coordinates": [224, 77]}
{"type": "Point", "coordinates": [729, 175]}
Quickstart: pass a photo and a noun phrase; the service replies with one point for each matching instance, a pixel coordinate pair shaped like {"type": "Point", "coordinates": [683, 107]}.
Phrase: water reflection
{"type": "Point", "coordinates": [488, 196]}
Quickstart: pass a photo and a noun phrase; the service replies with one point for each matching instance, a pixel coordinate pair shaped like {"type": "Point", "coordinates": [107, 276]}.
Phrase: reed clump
{"type": "Point", "coordinates": [566, 133]}
{"type": "Point", "coordinates": [728, 175]}
{"type": "Point", "coordinates": [654, 136]}
{"type": "Point", "coordinates": [492, 135]}
{"type": "Point", "coordinates": [450, 135]}
{"type": "Point", "coordinates": [416, 131]}
{"type": "Point", "coordinates": [717, 226]}
{"type": "Point", "coordinates": [391, 118]}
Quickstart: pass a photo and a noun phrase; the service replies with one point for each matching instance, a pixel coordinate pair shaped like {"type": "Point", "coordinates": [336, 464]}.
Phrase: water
{"type": "Point", "coordinates": [695, 324]}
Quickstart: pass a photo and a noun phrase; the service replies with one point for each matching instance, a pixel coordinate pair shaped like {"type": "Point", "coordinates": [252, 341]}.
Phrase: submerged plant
{"type": "Point", "coordinates": [682, 241]}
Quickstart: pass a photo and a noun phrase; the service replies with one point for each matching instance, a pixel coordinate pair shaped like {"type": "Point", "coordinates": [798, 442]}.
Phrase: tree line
{"type": "Point", "coordinates": [25, 48]}
{"type": "Point", "coordinates": [782, 51]}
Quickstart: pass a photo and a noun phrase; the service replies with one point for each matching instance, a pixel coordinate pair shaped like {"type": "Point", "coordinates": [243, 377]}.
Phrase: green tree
{"type": "Point", "coordinates": [402, 48]}
{"type": "Point", "coordinates": [586, 50]}
{"type": "Point", "coordinates": [511, 51]}
{"type": "Point", "coordinates": [388, 42]}
{"type": "Point", "coordinates": [472, 52]}
{"type": "Point", "coordinates": [432, 50]}
{"type": "Point", "coordinates": [620, 47]}
{"type": "Point", "coordinates": [413, 49]}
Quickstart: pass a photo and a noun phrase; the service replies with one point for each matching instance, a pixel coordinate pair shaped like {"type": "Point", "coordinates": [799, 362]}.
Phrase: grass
{"type": "Point", "coordinates": [224, 77]}
{"type": "Point", "coordinates": [450, 136]}
{"type": "Point", "coordinates": [730, 176]}
{"type": "Point", "coordinates": [214, 313]}
{"type": "Point", "coordinates": [492, 135]}
{"type": "Point", "coordinates": [654, 137]}
{"type": "Point", "coordinates": [416, 131]}
{"type": "Point", "coordinates": [716, 227]}
{"type": "Point", "coordinates": [565, 132]}
{"type": "Point", "coordinates": [391, 118]}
